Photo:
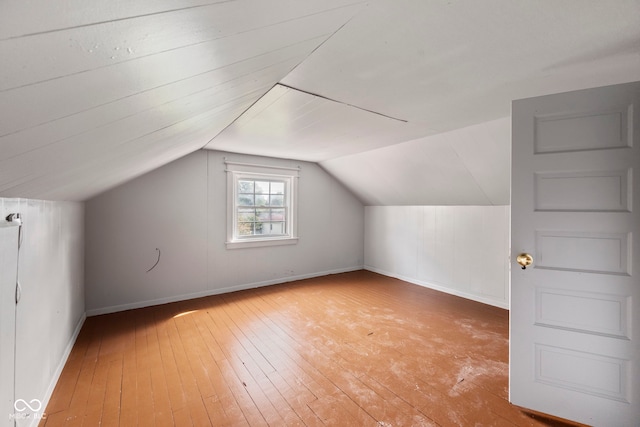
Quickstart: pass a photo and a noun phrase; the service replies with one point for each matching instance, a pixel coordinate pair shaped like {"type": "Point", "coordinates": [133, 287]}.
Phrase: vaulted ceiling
{"type": "Point", "coordinates": [404, 101]}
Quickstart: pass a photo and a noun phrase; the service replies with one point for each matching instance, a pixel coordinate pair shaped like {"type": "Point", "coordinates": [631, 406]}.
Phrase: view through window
{"type": "Point", "coordinates": [260, 208]}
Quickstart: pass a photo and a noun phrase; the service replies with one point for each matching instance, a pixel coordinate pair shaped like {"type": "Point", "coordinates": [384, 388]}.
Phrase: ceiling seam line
{"type": "Point", "coordinates": [278, 83]}
{"type": "Point", "coordinates": [122, 118]}
{"type": "Point", "coordinates": [238, 116]}
{"type": "Point", "coordinates": [150, 55]}
{"type": "Point", "coordinates": [343, 103]}
{"type": "Point", "coordinates": [58, 170]}
{"type": "Point", "coordinates": [163, 85]}
{"type": "Point", "coordinates": [90, 24]}
{"type": "Point", "coordinates": [320, 45]}
{"type": "Point", "coordinates": [469, 172]}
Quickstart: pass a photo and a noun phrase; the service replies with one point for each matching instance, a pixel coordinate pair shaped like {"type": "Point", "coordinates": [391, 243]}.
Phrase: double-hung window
{"type": "Point", "coordinates": [261, 205]}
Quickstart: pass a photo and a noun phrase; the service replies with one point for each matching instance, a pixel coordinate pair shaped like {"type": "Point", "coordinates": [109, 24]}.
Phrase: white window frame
{"type": "Point", "coordinates": [237, 171]}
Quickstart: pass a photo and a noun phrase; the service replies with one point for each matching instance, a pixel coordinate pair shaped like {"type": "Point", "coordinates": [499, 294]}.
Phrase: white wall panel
{"type": "Point", "coordinates": [181, 210]}
{"type": "Point", "coordinates": [495, 241]}
{"type": "Point", "coordinates": [461, 250]}
{"type": "Point", "coordinates": [51, 309]}
{"type": "Point", "coordinates": [406, 239]}
{"type": "Point", "coordinates": [445, 246]}
{"type": "Point", "coordinates": [373, 247]}
{"type": "Point", "coordinates": [468, 253]}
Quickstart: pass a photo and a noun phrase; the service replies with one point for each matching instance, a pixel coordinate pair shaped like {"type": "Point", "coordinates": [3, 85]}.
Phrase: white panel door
{"type": "Point", "coordinates": [8, 275]}
{"type": "Point", "coordinates": [575, 329]}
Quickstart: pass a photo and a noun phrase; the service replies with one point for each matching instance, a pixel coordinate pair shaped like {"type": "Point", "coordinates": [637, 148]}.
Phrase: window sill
{"type": "Point", "coordinates": [257, 243]}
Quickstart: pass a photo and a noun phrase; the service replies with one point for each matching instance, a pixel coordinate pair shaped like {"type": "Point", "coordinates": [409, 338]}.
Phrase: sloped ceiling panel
{"type": "Point", "coordinates": [92, 96]}
{"type": "Point", "coordinates": [440, 67]}
{"type": "Point", "coordinates": [451, 64]}
{"type": "Point", "coordinates": [288, 123]}
{"type": "Point", "coordinates": [469, 166]}
{"type": "Point", "coordinates": [96, 92]}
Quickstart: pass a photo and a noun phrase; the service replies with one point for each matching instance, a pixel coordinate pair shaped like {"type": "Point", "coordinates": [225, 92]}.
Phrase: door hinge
{"type": "Point", "coordinates": [18, 292]}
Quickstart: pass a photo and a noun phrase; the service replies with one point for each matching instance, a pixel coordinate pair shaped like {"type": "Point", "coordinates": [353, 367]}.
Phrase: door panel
{"type": "Point", "coordinates": [575, 208]}
{"type": "Point", "coordinates": [8, 275]}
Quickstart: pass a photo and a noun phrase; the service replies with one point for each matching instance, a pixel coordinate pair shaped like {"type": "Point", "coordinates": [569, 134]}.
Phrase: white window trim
{"type": "Point", "coordinates": [237, 170]}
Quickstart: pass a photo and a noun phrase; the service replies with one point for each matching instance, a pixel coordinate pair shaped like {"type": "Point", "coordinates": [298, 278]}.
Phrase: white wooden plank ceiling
{"type": "Point", "coordinates": [96, 92]}
{"type": "Point", "coordinates": [93, 93]}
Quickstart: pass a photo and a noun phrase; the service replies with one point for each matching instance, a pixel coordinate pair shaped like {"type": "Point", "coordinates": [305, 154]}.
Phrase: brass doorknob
{"type": "Point", "coordinates": [524, 260]}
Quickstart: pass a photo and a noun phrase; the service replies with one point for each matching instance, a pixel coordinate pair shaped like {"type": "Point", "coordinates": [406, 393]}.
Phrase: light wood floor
{"type": "Point", "coordinates": [355, 349]}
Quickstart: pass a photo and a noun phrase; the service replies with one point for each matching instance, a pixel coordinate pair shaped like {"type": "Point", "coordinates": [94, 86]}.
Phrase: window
{"type": "Point", "coordinates": [261, 205]}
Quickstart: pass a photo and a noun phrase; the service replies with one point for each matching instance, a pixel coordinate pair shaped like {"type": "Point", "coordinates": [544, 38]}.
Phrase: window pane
{"type": "Point", "coordinates": [277, 215]}
{"type": "Point", "coordinates": [245, 228]}
{"type": "Point", "coordinates": [262, 187]}
{"type": "Point", "coordinates": [245, 199]}
{"type": "Point", "coordinates": [260, 227]}
{"type": "Point", "coordinates": [262, 200]}
{"type": "Point", "coordinates": [277, 200]}
{"type": "Point", "coordinates": [245, 186]}
{"type": "Point", "coordinates": [277, 188]}
{"type": "Point", "coordinates": [246, 215]}
{"type": "Point", "coordinates": [263, 214]}
{"type": "Point", "coordinates": [276, 228]}
{"type": "Point", "coordinates": [267, 228]}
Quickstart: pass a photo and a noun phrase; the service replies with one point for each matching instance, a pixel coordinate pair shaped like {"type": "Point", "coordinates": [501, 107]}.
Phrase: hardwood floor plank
{"type": "Point", "coordinates": [291, 404]}
{"type": "Point", "coordinates": [238, 387]}
{"type": "Point", "coordinates": [280, 375]}
{"type": "Point", "coordinates": [78, 403]}
{"type": "Point", "coordinates": [111, 409]}
{"type": "Point", "coordinates": [128, 398]}
{"type": "Point", "coordinates": [55, 419]}
{"type": "Point", "coordinates": [274, 408]}
{"type": "Point", "coordinates": [175, 391]}
{"type": "Point", "coordinates": [96, 397]}
{"type": "Point", "coordinates": [161, 402]}
{"type": "Point", "coordinates": [187, 381]}
{"type": "Point", "coordinates": [348, 349]}
{"type": "Point", "coordinates": [323, 361]}
{"type": "Point", "coordinates": [182, 418]}
{"type": "Point", "coordinates": [63, 392]}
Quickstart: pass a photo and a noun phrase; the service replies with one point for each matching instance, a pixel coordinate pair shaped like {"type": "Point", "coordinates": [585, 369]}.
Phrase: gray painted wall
{"type": "Point", "coordinates": [51, 309]}
{"type": "Point", "coordinates": [181, 210]}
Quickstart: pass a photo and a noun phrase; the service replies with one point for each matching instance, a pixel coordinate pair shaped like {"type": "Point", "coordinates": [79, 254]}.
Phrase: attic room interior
{"type": "Point", "coordinates": [336, 212]}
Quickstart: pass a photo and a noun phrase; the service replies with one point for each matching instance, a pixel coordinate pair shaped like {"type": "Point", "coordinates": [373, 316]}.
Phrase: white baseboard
{"type": "Point", "coordinates": [478, 298]}
{"type": "Point", "coordinates": [56, 375]}
{"type": "Point", "coordinates": [209, 292]}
